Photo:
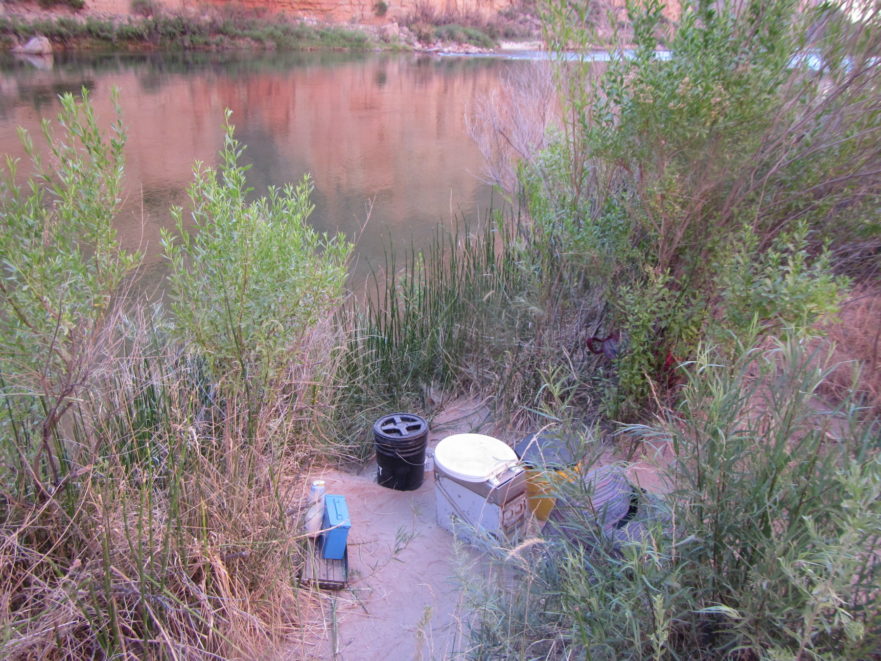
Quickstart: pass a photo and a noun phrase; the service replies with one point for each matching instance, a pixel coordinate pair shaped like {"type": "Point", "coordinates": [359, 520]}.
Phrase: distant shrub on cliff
{"type": "Point", "coordinates": [430, 25]}
{"type": "Point", "coordinates": [463, 35]}
{"type": "Point", "coordinates": [73, 4]}
{"type": "Point", "coordinates": [145, 8]}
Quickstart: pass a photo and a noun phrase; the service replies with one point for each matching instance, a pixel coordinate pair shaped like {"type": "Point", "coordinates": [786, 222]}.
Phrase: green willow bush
{"type": "Point", "coordinates": [249, 279]}
{"type": "Point", "coordinates": [62, 268]}
{"type": "Point", "coordinates": [146, 509]}
{"type": "Point", "coordinates": [769, 550]}
{"type": "Point", "coordinates": [782, 286]}
{"type": "Point", "coordinates": [665, 166]}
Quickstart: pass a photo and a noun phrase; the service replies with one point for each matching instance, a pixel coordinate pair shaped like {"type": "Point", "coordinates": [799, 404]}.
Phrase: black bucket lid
{"type": "Point", "coordinates": [400, 428]}
{"type": "Point", "coordinates": [548, 449]}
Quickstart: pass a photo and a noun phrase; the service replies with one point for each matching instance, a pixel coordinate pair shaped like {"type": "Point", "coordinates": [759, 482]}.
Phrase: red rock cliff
{"type": "Point", "coordinates": [366, 11]}
{"type": "Point", "coordinates": [340, 11]}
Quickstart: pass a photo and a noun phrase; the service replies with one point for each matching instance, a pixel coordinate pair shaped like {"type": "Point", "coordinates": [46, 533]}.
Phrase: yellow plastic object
{"type": "Point", "coordinates": [539, 489]}
{"type": "Point", "coordinates": [548, 458]}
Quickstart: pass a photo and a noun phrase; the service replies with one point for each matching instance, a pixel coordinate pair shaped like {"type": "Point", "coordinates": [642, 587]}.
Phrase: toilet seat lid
{"type": "Point", "coordinates": [473, 457]}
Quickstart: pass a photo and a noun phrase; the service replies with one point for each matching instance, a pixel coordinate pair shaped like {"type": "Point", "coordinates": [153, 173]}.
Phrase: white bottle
{"type": "Point", "coordinates": [315, 513]}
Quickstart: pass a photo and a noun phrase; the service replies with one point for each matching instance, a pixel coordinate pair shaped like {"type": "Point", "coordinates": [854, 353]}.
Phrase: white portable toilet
{"type": "Point", "coordinates": [480, 489]}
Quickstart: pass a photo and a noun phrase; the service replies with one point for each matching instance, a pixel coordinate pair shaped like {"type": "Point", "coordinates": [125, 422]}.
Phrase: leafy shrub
{"type": "Point", "coordinates": [145, 8]}
{"type": "Point", "coordinates": [380, 8]}
{"type": "Point", "coordinates": [73, 4]}
{"type": "Point", "coordinates": [254, 277]}
{"type": "Point", "coordinates": [67, 27]}
{"type": "Point", "coordinates": [450, 32]}
{"type": "Point", "coordinates": [100, 29]}
{"type": "Point", "coordinates": [62, 269]}
{"type": "Point", "coordinates": [463, 35]}
{"type": "Point", "coordinates": [424, 32]}
{"type": "Point", "coordinates": [668, 167]}
{"type": "Point", "coordinates": [429, 25]}
{"type": "Point", "coordinates": [117, 495]}
{"type": "Point", "coordinates": [478, 38]}
{"type": "Point", "coordinates": [652, 313]}
{"type": "Point", "coordinates": [783, 287]}
{"type": "Point", "coordinates": [132, 32]}
{"type": "Point", "coordinates": [771, 550]}
{"type": "Point", "coordinates": [172, 27]}
{"type": "Point", "coordinates": [806, 524]}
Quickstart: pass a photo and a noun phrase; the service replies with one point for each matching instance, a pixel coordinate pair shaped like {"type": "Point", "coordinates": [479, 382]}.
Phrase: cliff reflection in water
{"type": "Point", "coordinates": [391, 129]}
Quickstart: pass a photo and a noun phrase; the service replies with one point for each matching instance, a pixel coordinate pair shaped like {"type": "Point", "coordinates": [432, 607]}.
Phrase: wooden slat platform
{"type": "Point", "coordinates": [323, 573]}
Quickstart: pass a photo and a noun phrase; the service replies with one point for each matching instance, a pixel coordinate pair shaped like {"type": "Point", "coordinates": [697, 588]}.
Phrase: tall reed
{"type": "Point", "coordinates": [484, 312]}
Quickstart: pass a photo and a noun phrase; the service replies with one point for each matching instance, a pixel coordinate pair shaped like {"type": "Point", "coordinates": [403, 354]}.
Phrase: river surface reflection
{"type": "Point", "coordinates": [386, 130]}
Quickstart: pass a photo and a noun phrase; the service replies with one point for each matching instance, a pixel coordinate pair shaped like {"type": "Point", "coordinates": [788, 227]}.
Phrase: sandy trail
{"type": "Point", "coordinates": [404, 600]}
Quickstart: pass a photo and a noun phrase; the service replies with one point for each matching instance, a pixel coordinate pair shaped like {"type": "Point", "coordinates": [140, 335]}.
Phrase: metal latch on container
{"type": "Point", "coordinates": [513, 512]}
{"type": "Point", "coordinates": [504, 472]}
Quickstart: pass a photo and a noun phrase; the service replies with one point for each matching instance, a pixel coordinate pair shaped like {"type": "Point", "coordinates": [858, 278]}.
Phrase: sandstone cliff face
{"type": "Point", "coordinates": [338, 11]}
{"type": "Point", "coordinates": [604, 12]}
{"type": "Point", "coordinates": [366, 11]}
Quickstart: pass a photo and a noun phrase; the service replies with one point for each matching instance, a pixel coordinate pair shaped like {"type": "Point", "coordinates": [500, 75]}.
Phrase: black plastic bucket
{"type": "Point", "coordinates": [400, 450]}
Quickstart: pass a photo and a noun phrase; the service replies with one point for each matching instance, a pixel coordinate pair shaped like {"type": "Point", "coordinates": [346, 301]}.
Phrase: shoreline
{"type": "Point", "coordinates": [85, 31]}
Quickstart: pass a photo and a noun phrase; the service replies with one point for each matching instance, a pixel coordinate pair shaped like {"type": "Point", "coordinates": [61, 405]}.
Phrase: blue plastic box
{"type": "Point", "coordinates": [336, 524]}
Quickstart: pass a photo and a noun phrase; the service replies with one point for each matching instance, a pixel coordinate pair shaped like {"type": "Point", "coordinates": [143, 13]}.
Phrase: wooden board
{"type": "Point", "coordinates": [323, 573]}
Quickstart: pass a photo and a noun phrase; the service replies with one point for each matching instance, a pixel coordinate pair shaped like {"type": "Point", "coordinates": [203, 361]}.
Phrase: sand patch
{"type": "Point", "coordinates": [404, 599]}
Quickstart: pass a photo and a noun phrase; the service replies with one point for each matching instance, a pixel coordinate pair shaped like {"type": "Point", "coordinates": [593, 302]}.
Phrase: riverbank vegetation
{"type": "Point", "coordinates": [178, 32]}
{"type": "Point", "coordinates": [150, 28]}
{"type": "Point", "coordinates": [693, 229]}
{"type": "Point", "coordinates": [686, 234]}
{"type": "Point", "coordinates": [518, 22]}
{"type": "Point", "coordinates": [149, 460]}
{"type": "Point", "coordinates": [713, 207]}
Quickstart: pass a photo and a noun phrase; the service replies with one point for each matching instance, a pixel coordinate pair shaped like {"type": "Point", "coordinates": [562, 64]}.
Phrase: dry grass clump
{"type": "Point", "coordinates": [855, 344]}
{"type": "Point", "coordinates": [147, 503]}
{"type": "Point", "coordinates": [172, 529]}
{"type": "Point", "coordinates": [171, 533]}
{"type": "Point", "coordinates": [204, 582]}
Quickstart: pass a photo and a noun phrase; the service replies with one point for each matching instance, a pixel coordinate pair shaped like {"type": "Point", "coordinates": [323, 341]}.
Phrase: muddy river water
{"type": "Point", "coordinates": [373, 130]}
